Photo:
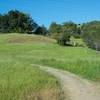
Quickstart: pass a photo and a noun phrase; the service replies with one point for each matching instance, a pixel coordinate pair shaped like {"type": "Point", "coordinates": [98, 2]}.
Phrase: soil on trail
{"type": "Point", "coordinates": [74, 87]}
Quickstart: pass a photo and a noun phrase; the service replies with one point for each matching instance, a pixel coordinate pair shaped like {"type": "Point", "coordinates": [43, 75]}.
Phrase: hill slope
{"type": "Point", "coordinates": [19, 80]}
{"type": "Point", "coordinates": [18, 77]}
{"type": "Point", "coordinates": [42, 50]}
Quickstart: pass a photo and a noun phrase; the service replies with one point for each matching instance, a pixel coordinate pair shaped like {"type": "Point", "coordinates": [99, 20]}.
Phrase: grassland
{"type": "Point", "coordinates": [20, 80]}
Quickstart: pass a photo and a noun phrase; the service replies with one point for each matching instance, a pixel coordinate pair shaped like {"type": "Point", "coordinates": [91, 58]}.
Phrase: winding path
{"type": "Point", "coordinates": [74, 87]}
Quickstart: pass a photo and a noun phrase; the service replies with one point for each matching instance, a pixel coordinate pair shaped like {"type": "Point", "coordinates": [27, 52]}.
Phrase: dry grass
{"type": "Point", "coordinates": [44, 94]}
{"type": "Point", "coordinates": [25, 38]}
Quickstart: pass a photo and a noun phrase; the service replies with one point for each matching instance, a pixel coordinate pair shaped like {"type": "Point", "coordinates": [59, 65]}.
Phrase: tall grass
{"type": "Point", "coordinates": [81, 61]}
{"type": "Point", "coordinates": [19, 80]}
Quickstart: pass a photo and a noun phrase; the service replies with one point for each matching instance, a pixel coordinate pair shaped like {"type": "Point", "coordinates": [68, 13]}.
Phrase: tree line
{"type": "Point", "coordinates": [89, 32]}
{"type": "Point", "coordinates": [19, 22]}
{"type": "Point", "coordinates": [63, 32]}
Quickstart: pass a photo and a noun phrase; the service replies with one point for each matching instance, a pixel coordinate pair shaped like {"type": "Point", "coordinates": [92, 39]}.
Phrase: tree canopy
{"type": "Point", "coordinates": [16, 21]}
{"type": "Point", "coordinates": [63, 32]}
{"type": "Point", "coordinates": [91, 34]}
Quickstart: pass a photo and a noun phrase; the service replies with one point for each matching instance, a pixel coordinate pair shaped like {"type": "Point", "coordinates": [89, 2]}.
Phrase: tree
{"type": "Point", "coordinates": [62, 33]}
{"type": "Point", "coordinates": [44, 30]}
{"type": "Point", "coordinates": [40, 30]}
{"type": "Point", "coordinates": [16, 21]}
{"type": "Point", "coordinates": [91, 34]}
{"type": "Point", "coordinates": [70, 26]}
{"type": "Point", "coordinates": [4, 24]}
{"type": "Point", "coordinates": [67, 30]}
{"type": "Point", "coordinates": [54, 30]}
{"type": "Point", "coordinates": [64, 38]}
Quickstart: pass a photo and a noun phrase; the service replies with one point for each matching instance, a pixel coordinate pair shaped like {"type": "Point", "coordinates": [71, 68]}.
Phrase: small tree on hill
{"type": "Point", "coordinates": [64, 38]}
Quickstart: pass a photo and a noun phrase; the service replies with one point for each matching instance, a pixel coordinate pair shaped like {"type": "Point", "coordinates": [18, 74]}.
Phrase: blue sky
{"type": "Point", "coordinates": [46, 11]}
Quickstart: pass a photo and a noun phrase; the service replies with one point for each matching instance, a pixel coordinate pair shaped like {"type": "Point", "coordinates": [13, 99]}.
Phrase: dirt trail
{"type": "Point", "coordinates": [73, 86]}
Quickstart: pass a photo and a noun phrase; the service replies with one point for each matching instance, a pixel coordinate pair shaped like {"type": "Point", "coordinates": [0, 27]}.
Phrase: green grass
{"type": "Point", "coordinates": [79, 60]}
{"type": "Point", "coordinates": [19, 79]}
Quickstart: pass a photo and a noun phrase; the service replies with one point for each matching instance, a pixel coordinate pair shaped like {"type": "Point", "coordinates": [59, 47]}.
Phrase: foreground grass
{"type": "Point", "coordinates": [19, 80]}
{"type": "Point", "coordinates": [22, 82]}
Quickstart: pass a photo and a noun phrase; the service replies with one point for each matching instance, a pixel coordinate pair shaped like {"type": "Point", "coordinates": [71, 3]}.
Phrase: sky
{"type": "Point", "coordinates": [47, 11]}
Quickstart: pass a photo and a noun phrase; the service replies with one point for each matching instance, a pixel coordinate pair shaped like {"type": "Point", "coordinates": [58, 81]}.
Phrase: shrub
{"type": "Point", "coordinates": [64, 38]}
{"type": "Point", "coordinates": [91, 35]}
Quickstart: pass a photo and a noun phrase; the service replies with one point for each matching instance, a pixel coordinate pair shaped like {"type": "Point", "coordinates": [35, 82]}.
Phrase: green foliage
{"type": "Point", "coordinates": [64, 38]}
{"type": "Point", "coordinates": [91, 34]}
{"type": "Point", "coordinates": [44, 30]}
{"type": "Point", "coordinates": [16, 21]}
{"type": "Point", "coordinates": [72, 27]}
{"type": "Point", "coordinates": [54, 30]}
{"type": "Point", "coordinates": [41, 30]}
{"type": "Point", "coordinates": [62, 33]}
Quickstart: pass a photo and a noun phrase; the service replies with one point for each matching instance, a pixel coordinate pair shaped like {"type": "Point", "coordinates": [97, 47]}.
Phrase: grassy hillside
{"type": "Point", "coordinates": [20, 80]}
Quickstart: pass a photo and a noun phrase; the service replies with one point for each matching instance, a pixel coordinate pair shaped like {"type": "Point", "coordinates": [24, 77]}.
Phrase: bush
{"type": "Point", "coordinates": [91, 35]}
{"type": "Point", "coordinates": [64, 39]}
